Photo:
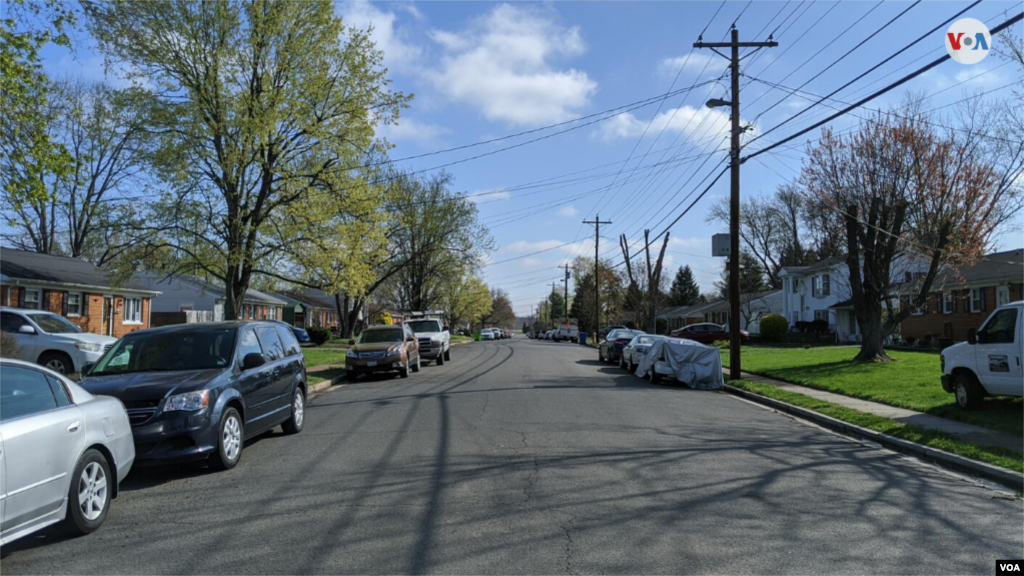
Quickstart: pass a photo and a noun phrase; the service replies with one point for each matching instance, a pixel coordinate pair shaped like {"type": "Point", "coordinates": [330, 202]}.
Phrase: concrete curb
{"type": "Point", "coordinates": [987, 471]}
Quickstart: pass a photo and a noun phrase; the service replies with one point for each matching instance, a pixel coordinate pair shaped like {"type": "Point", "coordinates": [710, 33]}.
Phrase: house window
{"type": "Point", "coordinates": [820, 286]}
{"type": "Point", "coordinates": [74, 304]}
{"type": "Point", "coordinates": [133, 310]}
{"type": "Point", "coordinates": [977, 299]}
{"type": "Point", "coordinates": [32, 297]}
{"type": "Point", "coordinates": [821, 315]}
{"type": "Point", "coordinates": [826, 287]}
{"type": "Point", "coordinates": [793, 284]}
{"type": "Point", "coordinates": [949, 302]}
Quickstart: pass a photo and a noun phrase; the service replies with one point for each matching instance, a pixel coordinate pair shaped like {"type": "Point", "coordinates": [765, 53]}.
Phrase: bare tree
{"type": "Point", "coordinates": [646, 289]}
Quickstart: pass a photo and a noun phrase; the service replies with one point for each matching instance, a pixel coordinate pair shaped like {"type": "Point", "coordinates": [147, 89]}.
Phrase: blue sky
{"type": "Point", "coordinates": [482, 70]}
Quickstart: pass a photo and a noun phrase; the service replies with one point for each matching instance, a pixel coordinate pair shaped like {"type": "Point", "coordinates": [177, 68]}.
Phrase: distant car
{"type": "Point", "coordinates": [52, 340]}
{"type": "Point", "coordinates": [610, 349]}
{"type": "Point", "coordinates": [568, 330]}
{"type": "Point", "coordinates": [384, 348]}
{"type": "Point", "coordinates": [633, 352]}
{"type": "Point", "coordinates": [65, 451]}
{"type": "Point", "coordinates": [549, 335]}
{"type": "Point", "coordinates": [488, 334]}
{"type": "Point", "coordinates": [708, 333]}
{"type": "Point", "coordinates": [989, 362]}
{"type": "Point", "coordinates": [199, 391]}
{"type": "Point", "coordinates": [300, 333]}
{"type": "Point", "coordinates": [601, 334]}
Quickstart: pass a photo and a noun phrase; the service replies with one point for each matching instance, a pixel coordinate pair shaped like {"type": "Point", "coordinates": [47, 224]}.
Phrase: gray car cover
{"type": "Point", "coordinates": [694, 364]}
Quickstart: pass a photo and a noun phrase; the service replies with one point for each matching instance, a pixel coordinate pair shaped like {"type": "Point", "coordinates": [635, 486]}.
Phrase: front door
{"type": "Point", "coordinates": [998, 353]}
{"type": "Point", "coordinates": [33, 422]}
{"type": "Point", "coordinates": [1002, 295]}
{"type": "Point", "coordinates": [108, 309]}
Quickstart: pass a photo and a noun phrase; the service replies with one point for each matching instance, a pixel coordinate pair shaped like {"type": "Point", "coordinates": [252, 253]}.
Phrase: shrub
{"type": "Point", "coordinates": [721, 345]}
{"type": "Point", "coordinates": [774, 327]}
{"type": "Point", "coordinates": [8, 345]}
{"type": "Point", "coordinates": [319, 335]}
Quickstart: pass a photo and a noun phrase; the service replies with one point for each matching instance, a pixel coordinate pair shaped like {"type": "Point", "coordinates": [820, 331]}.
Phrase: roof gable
{"type": "Point", "coordinates": [47, 268]}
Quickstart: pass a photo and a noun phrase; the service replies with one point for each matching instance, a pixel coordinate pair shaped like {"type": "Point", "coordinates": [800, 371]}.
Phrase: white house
{"type": "Point", "coordinates": [809, 292]}
{"type": "Point", "coordinates": [753, 307]}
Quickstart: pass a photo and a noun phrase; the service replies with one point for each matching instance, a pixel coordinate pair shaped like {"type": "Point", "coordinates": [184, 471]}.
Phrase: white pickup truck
{"type": "Point", "coordinates": [433, 336]}
{"type": "Point", "coordinates": [989, 362]}
{"type": "Point", "coordinates": [568, 330]}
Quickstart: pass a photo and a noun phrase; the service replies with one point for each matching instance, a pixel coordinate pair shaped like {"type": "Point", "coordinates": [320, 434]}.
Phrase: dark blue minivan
{"type": "Point", "coordinates": [198, 391]}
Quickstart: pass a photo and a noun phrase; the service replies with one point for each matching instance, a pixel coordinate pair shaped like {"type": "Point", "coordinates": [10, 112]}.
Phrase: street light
{"type": "Point", "coordinates": [717, 103]}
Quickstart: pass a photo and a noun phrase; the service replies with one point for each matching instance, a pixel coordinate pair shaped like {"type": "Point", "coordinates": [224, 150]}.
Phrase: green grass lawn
{"type": "Point", "coordinates": [321, 356]}
{"type": "Point", "coordinates": [457, 339]}
{"type": "Point", "coordinates": [990, 454]}
{"type": "Point", "coordinates": [911, 382]}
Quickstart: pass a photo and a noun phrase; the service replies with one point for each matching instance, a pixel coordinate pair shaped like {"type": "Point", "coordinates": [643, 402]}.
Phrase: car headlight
{"type": "Point", "coordinates": [88, 347]}
{"type": "Point", "coordinates": [352, 354]}
{"type": "Point", "coordinates": [189, 401]}
{"type": "Point", "coordinates": [395, 349]}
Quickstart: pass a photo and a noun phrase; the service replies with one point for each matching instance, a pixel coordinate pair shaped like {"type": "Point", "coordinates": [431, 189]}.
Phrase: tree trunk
{"type": "Point", "coordinates": [872, 334]}
{"type": "Point", "coordinates": [353, 316]}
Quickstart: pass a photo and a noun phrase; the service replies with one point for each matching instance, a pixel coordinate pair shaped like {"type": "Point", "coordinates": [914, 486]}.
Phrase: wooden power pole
{"type": "Point", "coordinates": [597, 276]}
{"type": "Point", "coordinates": [735, 371]}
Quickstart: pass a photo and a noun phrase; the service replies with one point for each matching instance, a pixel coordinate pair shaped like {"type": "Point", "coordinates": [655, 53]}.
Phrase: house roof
{"type": "Point", "coordinates": [845, 304]}
{"type": "Point", "coordinates": [995, 267]}
{"type": "Point", "coordinates": [310, 297]}
{"type": "Point", "coordinates": [819, 265]}
{"type": "Point", "coordinates": [251, 296]}
{"type": "Point", "coordinates": [19, 266]}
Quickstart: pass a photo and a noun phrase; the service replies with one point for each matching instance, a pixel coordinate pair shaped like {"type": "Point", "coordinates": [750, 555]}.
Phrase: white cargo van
{"type": "Point", "coordinates": [989, 362]}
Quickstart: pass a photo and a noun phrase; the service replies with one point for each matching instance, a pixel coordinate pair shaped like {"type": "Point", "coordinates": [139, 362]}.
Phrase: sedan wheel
{"type": "Point", "coordinates": [89, 494]}
{"type": "Point", "coordinates": [229, 447]}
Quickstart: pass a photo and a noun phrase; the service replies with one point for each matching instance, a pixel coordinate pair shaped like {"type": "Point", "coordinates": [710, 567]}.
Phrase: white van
{"type": "Point", "coordinates": [989, 362]}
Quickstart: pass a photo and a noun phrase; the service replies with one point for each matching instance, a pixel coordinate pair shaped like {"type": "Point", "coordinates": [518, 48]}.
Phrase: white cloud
{"type": "Point", "coordinates": [569, 210]}
{"type": "Point", "coordinates": [692, 242]}
{"type": "Point", "coordinates": [526, 247]}
{"type": "Point", "coordinates": [484, 197]}
{"type": "Point", "coordinates": [387, 35]}
{"type": "Point", "coordinates": [685, 120]}
{"type": "Point", "coordinates": [692, 64]}
{"type": "Point", "coordinates": [503, 64]}
{"type": "Point", "coordinates": [411, 130]}
{"type": "Point", "coordinates": [531, 262]}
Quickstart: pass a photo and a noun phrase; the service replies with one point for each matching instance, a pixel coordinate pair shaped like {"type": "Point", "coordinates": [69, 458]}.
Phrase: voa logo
{"type": "Point", "coordinates": [967, 41]}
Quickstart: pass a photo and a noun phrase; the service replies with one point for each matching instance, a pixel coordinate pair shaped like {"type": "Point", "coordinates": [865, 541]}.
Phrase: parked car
{"type": "Point", "coordinates": [199, 391]}
{"type": "Point", "coordinates": [434, 340]}
{"type": "Point", "coordinates": [633, 352]}
{"type": "Point", "coordinates": [707, 333]}
{"type": "Point", "coordinates": [610, 349]}
{"type": "Point", "coordinates": [64, 453]}
{"type": "Point", "coordinates": [601, 334]}
{"type": "Point", "coordinates": [549, 334]}
{"type": "Point", "coordinates": [51, 340]}
{"type": "Point", "coordinates": [568, 330]}
{"type": "Point", "coordinates": [300, 333]}
{"type": "Point", "coordinates": [488, 334]}
{"type": "Point", "coordinates": [989, 362]}
{"type": "Point", "coordinates": [384, 348]}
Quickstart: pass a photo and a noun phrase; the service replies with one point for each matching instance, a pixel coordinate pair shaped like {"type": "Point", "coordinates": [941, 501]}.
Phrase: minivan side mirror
{"type": "Point", "coordinates": [253, 360]}
{"type": "Point", "coordinates": [26, 329]}
{"type": "Point", "coordinates": [972, 336]}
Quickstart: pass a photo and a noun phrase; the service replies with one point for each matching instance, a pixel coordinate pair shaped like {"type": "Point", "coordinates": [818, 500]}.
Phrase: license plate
{"type": "Point", "coordinates": [371, 364]}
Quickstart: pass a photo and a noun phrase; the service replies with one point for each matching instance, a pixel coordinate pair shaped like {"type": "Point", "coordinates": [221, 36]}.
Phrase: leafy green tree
{"type": "Point", "coordinates": [752, 281]}
{"type": "Point", "coordinates": [556, 303]}
{"type": "Point", "coordinates": [501, 313]}
{"type": "Point", "coordinates": [684, 290]}
{"type": "Point", "coordinates": [466, 301]}
{"type": "Point", "coordinates": [263, 109]}
{"type": "Point", "coordinates": [612, 293]}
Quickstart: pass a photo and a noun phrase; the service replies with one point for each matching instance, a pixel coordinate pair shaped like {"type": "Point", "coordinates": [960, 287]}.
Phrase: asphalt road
{"type": "Point", "coordinates": [531, 457]}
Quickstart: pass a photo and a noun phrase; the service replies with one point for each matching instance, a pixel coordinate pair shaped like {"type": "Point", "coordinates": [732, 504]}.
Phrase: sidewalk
{"type": "Point", "coordinates": [965, 432]}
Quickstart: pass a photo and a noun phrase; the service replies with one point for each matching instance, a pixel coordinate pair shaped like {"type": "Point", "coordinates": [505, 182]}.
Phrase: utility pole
{"type": "Point", "coordinates": [734, 195]}
{"type": "Point", "coordinates": [551, 317]}
{"type": "Point", "coordinates": [597, 277]}
{"type": "Point", "coordinates": [566, 290]}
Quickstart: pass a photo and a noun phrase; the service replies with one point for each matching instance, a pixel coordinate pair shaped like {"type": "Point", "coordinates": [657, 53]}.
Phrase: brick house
{"type": "Point", "coordinates": [81, 292]}
{"type": "Point", "coordinates": [187, 299]}
{"type": "Point", "coordinates": [964, 298]}
{"type": "Point", "coordinates": [309, 308]}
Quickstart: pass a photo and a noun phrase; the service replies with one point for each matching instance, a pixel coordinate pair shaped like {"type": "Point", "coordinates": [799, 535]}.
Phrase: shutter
{"type": "Point", "coordinates": [952, 293]}
{"type": "Point", "coordinates": [21, 297]}
{"type": "Point", "coordinates": [938, 302]}
{"type": "Point", "coordinates": [84, 304]}
{"type": "Point", "coordinates": [64, 304]}
{"type": "Point", "coordinates": [982, 299]}
{"type": "Point", "coordinates": [825, 288]}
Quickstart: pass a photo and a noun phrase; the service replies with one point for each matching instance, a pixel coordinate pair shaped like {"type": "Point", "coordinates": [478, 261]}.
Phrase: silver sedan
{"type": "Point", "coordinates": [63, 452]}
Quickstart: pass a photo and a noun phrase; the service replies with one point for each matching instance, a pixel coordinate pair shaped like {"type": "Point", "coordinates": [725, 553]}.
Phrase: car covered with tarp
{"type": "Point", "coordinates": [692, 363]}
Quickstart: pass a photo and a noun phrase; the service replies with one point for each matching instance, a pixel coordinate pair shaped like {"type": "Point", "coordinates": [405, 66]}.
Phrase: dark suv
{"type": "Point", "coordinates": [197, 391]}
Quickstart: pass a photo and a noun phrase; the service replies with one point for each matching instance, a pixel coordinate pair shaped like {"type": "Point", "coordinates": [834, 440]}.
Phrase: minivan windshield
{"type": "Point", "coordinates": [53, 324]}
{"type": "Point", "coordinates": [419, 326]}
{"type": "Point", "coordinates": [380, 335]}
{"type": "Point", "coordinates": [165, 351]}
